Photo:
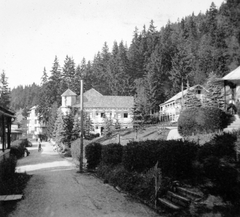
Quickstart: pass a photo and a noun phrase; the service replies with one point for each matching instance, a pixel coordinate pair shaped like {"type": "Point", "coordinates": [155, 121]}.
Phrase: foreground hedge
{"type": "Point", "coordinates": [221, 146]}
{"type": "Point", "coordinates": [202, 120]}
{"type": "Point", "coordinates": [93, 153]}
{"type": "Point", "coordinates": [138, 184]}
{"type": "Point", "coordinates": [140, 156]}
{"type": "Point", "coordinates": [112, 154]}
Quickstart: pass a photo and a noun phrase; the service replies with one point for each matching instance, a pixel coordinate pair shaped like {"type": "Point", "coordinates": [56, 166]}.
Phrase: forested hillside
{"type": "Point", "coordinates": [156, 62]}
{"type": "Point", "coordinates": [24, 97]}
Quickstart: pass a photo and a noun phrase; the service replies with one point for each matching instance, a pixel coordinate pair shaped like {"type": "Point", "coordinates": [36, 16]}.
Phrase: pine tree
{"type": "Point", "coordinates": [67, 130]}
{"type": "Point", "coordinates": [108, 126]}
{"type": "Point", "coordinates": [68, 75]}
{"type": "Point", "coordinates": [117, 125]}
{"type": "Point", "coordinates": [191, 100]}
{"type": "Point", "coordinates": [214, 96]}
{"type": "Point", "coordinates": [52, 120]}
{"type": "Point", "coordinates": [88, 125]}
{"type": "Point", "coordinates": [5, 91]}
{"type": "Point", "coordinates": [44, 77]}
{"type": "Point", "coordinates": [58, 127]}
{"type": "Point", "coordinates": [76, 128]}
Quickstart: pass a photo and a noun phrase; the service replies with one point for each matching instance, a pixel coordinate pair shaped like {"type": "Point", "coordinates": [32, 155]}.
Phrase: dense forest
{"type": "Point", "coordinates": [24, 97]}
{"type": "Point", "coordinates": [152, 68]}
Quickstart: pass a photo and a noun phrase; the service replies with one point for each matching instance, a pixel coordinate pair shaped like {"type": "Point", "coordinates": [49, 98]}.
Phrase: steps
{"type": "Point", "coordinates": [180, 199]}
{"type": "Point", "coordinates": [235, 125]}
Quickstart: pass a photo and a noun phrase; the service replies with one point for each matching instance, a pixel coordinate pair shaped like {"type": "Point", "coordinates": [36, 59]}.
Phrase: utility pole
{"type": "Point", "coordinates": [81, 135]}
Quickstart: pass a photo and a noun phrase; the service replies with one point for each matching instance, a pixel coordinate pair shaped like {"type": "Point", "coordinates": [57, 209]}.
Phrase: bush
{"type": "Point", "coordinates": [221, 146]}
{"type": "Point", "coordinates": [140, 156]}
{"type": "Point", "coordinates": [8, 167]}
{"type": "Point", "coordinates": [138, 184]}
{"type": "Point", "coordinates": [176, 158]}
{"type": "Point", "coordinates": [93, 153]}
{"type": "Point", "coordinates": [91, 136]}
{"type": "Point", "coordinates": [202, 120]}
{"type": "Point", "coordinates": [112, 154]}
{"type": "Point", "coordinates": [18, 148]}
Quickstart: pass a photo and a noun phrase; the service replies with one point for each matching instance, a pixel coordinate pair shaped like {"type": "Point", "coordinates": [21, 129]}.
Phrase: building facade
{"type": "Point", "coordinates": [170, 110]}
{"type": "Point", "coordinates": [99, 107]}
{"type": "Point", "coordinates": [34, 127]}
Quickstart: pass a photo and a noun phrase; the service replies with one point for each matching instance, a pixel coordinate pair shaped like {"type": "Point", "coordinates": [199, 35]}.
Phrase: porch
{"type": "Point", "coordinates": [6, 118]}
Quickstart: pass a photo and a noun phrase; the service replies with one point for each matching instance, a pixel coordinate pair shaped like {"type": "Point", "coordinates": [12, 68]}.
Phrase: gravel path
{"type": "Point", "coordinates": [57, 190]}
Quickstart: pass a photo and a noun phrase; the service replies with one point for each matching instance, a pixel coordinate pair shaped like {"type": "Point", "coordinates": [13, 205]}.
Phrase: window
{"type": "Point", "coordinates": [125, 115]}
{"type": "Point", "coordinates": [102, 115]}
{"type": "Point", "coordinates": [96, 113]}
{"type": "Point", "coordinates": [96, 127]}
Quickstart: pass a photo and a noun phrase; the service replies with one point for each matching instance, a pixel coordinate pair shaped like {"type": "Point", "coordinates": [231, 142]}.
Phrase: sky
{"type": "Point", "coordinates": [33, 32]}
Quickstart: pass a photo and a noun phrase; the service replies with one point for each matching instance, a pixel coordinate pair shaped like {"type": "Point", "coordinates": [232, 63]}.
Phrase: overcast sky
{"type": "Point", "coordinates": [32, 32]}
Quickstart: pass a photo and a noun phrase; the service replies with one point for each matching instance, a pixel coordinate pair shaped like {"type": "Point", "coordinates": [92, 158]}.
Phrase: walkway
{"type": "Point", "coordinates": [57, 190]}
{"type": "Point", "coordinates": [173, 133]}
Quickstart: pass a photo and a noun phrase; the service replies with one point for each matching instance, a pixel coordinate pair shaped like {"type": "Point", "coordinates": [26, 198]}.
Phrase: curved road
{"type": "Point", "coordinates": [57, 190]}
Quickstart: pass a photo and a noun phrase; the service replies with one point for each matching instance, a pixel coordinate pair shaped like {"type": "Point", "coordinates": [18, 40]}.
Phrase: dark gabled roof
{"type": "Point", "coordinates": [68, 92]}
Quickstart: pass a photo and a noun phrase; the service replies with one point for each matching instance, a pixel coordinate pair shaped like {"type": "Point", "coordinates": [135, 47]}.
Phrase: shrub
{"type": "Point", "coordinates": [112, 154]}
{"type": "Point", "coordinates": [91, 136]}
{"type": "Point", "coordinates": [202, 120]}
{"type": "Point", "coordinates": [138, 184]}
{"type": "Point", "coordinates": [221, 146]}
{"type": "Point", "coordinates": [7, 168]}
{"type": "Point", "coordinates": [18, 148]}
{"type": "Point", "coordinates": [176, 158]}
{"type": "Point", "coordinates": [140, 156]}
{"type": "Point", "coordinates": [93, 153]}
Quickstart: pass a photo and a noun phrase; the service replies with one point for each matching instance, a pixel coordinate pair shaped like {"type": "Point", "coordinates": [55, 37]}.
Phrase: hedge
{"type": "Point", "coordinates": [18, 148]}
{"type": "Point", "coordinates": [112, 154]}
{"type": "Point", "coordinates": [140, 156]}
{"type": "Point", "coordinates": [221, 146]}
{"type": "Point", "coordinates": [175, 157]}
{"type": "Point", "coordinates": [7, 168]}
{"type": "Point", "coordinates": [202, 120]}
{"type": "Point", "coordinates": [93, 153]}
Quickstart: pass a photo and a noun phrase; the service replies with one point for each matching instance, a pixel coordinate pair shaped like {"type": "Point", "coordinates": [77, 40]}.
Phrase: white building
{"type": "Point", "coordinates": [34, 126]}
{"type": "Point", "coordinates": [98, 106]}
{"type": "Point", "coordinates": [170, 110]}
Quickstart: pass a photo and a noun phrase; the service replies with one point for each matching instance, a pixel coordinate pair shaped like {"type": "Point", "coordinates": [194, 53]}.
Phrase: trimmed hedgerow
{"type": "Point", "coordinates": [221, 146]}
{"type": "Point", "coordinates": [176, 158]}
{"type": "Point", "coordinates": [112, 154]}
{"type": "Point", "coordinates": [202, 120]}
{"type": "Point", "coordinates": [93, 152]}
{"type": "Point", "coordinates": [140, 156]}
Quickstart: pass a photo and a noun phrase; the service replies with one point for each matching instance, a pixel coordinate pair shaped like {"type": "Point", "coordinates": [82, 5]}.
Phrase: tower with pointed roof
{"type": "Point", "coordinates": [69, 98]}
